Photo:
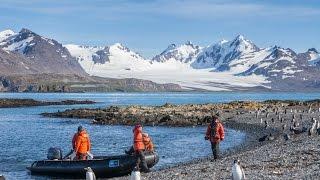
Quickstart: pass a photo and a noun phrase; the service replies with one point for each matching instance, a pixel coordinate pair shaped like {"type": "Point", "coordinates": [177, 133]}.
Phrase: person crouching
{"type": "Point", "coordinates": [148, 145]}
{"type": "Point", "coordinates": [147, 141]}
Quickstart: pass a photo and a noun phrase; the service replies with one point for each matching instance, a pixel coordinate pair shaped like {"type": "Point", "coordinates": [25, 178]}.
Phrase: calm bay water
{"type": "Point", "coordinates": [25, 136]}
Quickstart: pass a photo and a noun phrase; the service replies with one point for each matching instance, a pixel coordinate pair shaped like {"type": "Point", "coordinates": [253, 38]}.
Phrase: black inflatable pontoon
{"type": "Point", "coordinates": [102, 166]}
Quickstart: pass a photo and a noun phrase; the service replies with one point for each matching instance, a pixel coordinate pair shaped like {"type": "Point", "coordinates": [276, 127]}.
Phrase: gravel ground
{"type": "Point", "coordinates": [274, 158]}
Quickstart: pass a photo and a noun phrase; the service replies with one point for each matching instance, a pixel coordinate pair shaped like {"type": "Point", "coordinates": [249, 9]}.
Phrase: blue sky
{"type": "Point", "coordinates": [149, 26]}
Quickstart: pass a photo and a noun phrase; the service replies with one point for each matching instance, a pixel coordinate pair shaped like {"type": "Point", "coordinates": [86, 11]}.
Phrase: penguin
{"type": "Point", "coordinates": [301, 116]}
{"type": "Point", "coordinates": [293, 116]}
{"type": "Point", "coordinates": [90, 174]}
{"type": "Point", "coordinates": [272, 120]}
{"type": "Point", "coordinates": [261, 120]}
{"type": "Point", "coordinates": [267, 115]}
{"type": "Point", "coordinates": [237, 171]}
{"type": "Point", "coordinates": [270, 137]}
{"type": "Point", "coordinates": [286, 137]}
{"type": "Point", "coordinates": [284, 127]}
{"type": "Point", "coordinates": [313, 128]}
{"type": "Point", "coordinates": [266, 125]}
{"type": "Point", "coordinates": [135, 174]}
{"type": "Point", "coordinates": [319, 109]}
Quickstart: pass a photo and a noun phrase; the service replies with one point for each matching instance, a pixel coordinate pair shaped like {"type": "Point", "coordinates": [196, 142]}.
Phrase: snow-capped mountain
{"type": "Point", "coordinates": [235, 63]}
{"type": "Point", "coordinates": [49, 55]}
{"type": "Point", "coordinates": [184, 53]}
{"type": "Point", "coordinates": [225, 65]}
{"type": "Point", "coordinates": [5, 34]}
{"type": "Point", "coordinates": [314, 57]}
{"type": "Point", "coordinates": [219, 55]}
{"type": "Point", "coordinates": [269, 61]}
{"type": "Point", "coordinates": [117, 57]}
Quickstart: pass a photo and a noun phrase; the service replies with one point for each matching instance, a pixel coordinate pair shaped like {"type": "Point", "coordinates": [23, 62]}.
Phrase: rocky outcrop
{"type": "Point", "coordinates": [169, 115]}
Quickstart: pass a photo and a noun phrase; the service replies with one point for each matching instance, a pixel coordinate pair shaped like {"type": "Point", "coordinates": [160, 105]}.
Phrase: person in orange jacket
{"type": "Point", "coordinates": [139, 148]}
{"type": "Point", "coordinates": [81, 143]}
{"type": "Point", "coordinates": [147, 141]}
{"type": "Point", "coordinates": [215, 133]}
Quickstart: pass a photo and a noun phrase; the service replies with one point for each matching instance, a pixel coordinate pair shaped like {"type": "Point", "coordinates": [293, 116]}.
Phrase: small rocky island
{"type": "Point", "coordinates": [282, 137]}
{"type": "Point", "coordinates": [11, 103]}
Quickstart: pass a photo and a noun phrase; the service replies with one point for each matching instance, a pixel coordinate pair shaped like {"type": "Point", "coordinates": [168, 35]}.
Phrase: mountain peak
{"type": "Point", "coordinates": [222, 41]}
{"type": "Point", "coordinates": [25, 30]}
{"type": "Point", "coordinates": [243, 44]}
{"type": "Point", "coordinates": [7, 32]}
{"type": "Point", "coordinates": [313, 50]}
{"type": "Point", "coordinates": [240, 37]}
{"type": "Point", "coordinates": [189, 43]}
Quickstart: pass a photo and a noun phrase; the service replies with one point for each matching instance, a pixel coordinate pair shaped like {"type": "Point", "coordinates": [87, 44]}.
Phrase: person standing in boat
{"type": "Point", "coordinates": [215, 133]}
{"type": "Point", "coordinates": [81, 143]}
{"type": "Point", "coordinates": [139, 148]}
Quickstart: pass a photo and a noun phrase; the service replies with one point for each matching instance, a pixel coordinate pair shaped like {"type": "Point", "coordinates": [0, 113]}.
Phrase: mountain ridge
{"type": "Point", "coordinates": [224, 65]}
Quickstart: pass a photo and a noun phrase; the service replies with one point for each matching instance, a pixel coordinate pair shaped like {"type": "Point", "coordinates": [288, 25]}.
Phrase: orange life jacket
{"type": "Point", "coordinates": [138, 144]}
{"type": "Point", "coordinates": [148, 143]}
{"type": "Point", "coordinates": [215, 132]}
{"type": "Point", "coordinates": [82, 143]}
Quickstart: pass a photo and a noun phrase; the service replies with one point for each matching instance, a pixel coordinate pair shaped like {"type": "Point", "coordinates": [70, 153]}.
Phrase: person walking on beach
{"type": "Point", "coordinates": [215, 133]}
{"type": "Point", "coordinates": [139, 148]}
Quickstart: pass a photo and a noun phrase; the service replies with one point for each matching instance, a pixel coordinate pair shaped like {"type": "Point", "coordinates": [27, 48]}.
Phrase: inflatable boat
{"type": "Point", "coordinates": [102, 166]}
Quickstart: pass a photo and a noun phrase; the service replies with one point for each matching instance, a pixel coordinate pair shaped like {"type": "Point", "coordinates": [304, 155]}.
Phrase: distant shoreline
{"type": "Point", "coordinates": [13, 103]}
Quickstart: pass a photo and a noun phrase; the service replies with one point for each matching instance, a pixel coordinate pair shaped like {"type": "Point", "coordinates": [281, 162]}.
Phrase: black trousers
{"type": "Point", "coordinates": [141, 161]}
{"type": "Point", "coordinates": [215, 149]}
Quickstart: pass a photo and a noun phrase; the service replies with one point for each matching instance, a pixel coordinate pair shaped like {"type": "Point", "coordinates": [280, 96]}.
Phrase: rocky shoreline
{"type": "Point", "coordinates": [12, 103]}
{"type": "Point", "coordinates": [278, 143]}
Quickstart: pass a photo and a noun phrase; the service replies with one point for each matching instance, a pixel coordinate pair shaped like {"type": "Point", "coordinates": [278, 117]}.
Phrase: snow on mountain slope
{"type": "Point", "coordinates": [171, 66]}
{"type": "Point", "coordinates": [96, 60]}
{"type": "Point", "coordinates": [219, 55]}
{"type": "Point", "coordinates": [277, 62]}
{"type": "Point", "coordinates": [48, 55]}
{"type": "Point", "coordinates": [222, 66]}
{"type": "Point", "coordinates": [314, 57]}
{"type": "Point", "coordinates": [184, 53]}
{"type": "Point", "coordinates": [5, 35]}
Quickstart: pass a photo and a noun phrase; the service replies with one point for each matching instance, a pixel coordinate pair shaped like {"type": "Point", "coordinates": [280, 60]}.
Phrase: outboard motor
{"type": "Point", "coordinates": [54, 153]}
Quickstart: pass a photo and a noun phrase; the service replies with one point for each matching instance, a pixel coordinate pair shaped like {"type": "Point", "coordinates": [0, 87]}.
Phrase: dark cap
{"type": "Point", "coordinates": [214, 117]}
{"type": "Point", "coordinates": [80, 128]}
{"type": "Point", "coordinates": [137, 126]}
